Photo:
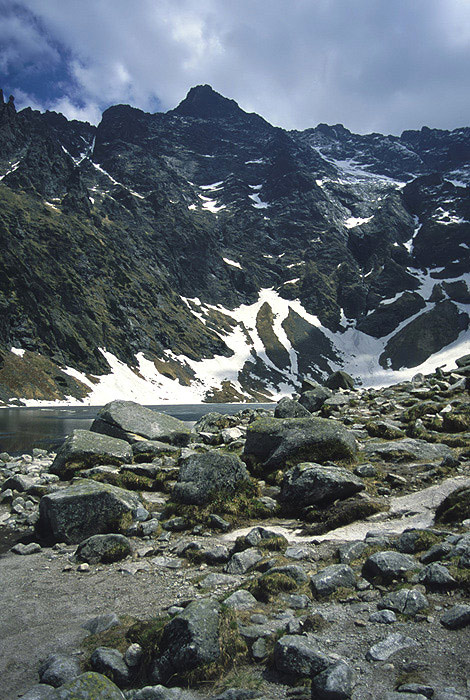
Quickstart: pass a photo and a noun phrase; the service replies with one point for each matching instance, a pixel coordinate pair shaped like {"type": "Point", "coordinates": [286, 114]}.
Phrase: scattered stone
{"type": "Point", "coordinates": [58, 669]}
{"type": "Point", "coordinates": [436, 577]}
{"type": "Point", "coordinates": [218, 523]}
{"type": "Point", "coordinates": [456, 617]}
{"type": "Point", "coordinates": [330, 579]}
{"type": "Point", "coordinates": [340, 380]}
{"type": "Point", "coordinates": [103, 548]}
{"type": "Point", "coordinates": [25, 549]}
{"type": "Point", "coordinates": [288, 408]}
{"type": "Point", "coordinates": [312, 400]}
{"type": "Point", "coordinates": [334, 683]}
{"type": "Point", "coordinates": [386, 617]}
{"type": "Point", "coordinates": [387, 647]}
{"type": "Point", "coordinates": [388, 566]}
{"type": "Point", "coordinates": [101, 623]}
{"type": "Point", "coordinates": [89, 685]}
{"type": "Point", "coordinates": [241, 600]}
{"type": "Point", "coordinates": [241, 562]}
{"type": "Point", "coordinates": [417, 689]}
{"type": "Point", "coordinates": [299, 656]}
{"type": "Point", "coordinates": [405, 601]}
{"type": "Point", "coordinates": [133, 655]}
{"type": "Point", "coordinates": [110, 662]}
{"type": "Point", "coordinates": [406, 450]}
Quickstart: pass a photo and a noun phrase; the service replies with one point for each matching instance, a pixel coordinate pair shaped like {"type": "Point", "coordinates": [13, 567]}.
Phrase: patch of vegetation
{"type": "Point", "coordinates": [236, 508]}
{"type": "Point", "coordinates": [339, 514]}
{"type": "Point", "coordinates": [126, 480]}
{"type": "Point", "coordinates": [268, 586]}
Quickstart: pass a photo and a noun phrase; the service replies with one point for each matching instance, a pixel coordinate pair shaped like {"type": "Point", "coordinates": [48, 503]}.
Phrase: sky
{"type": "Point", "coordinates": [372, 65]}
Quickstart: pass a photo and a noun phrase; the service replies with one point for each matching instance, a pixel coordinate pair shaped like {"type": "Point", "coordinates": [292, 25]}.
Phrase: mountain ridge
{"type": "Point", "coordinates": [151, 236]}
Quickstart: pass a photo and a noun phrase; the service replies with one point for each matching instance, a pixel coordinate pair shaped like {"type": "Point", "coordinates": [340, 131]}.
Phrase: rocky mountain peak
{"type": "Point", "coordinates": [203, 102]}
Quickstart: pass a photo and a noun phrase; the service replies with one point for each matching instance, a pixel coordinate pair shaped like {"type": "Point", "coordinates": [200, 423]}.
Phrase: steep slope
{"type": "Point", "coordinates": [204, 254]}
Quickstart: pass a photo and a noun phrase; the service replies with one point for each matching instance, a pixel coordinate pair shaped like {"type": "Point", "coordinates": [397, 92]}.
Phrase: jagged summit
{"type": "Point", "coordinates": [203, 102]}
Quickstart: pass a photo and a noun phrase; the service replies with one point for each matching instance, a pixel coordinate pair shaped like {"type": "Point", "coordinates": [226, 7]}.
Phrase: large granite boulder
{"type": "Point", "coordinates": [273, 443]}
{"type": "Point", "coordinates": [86, 508]}
{"type": "Point", "coordinates": [203, 476]}
{"type": "Point", "coordinates": [307, 484]}
{"type": "Point", "coordinates": [189, 640]}
{"type": "Point", "coordinates": [84, 449]}
{"type": "Point", "coordinates": [132, 422]}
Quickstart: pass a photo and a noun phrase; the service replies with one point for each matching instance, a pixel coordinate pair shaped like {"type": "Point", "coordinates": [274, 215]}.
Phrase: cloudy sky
{"type": "Point", "coordinates": [373, 65]}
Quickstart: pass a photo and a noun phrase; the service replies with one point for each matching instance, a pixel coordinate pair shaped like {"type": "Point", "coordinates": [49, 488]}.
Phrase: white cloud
{"type": "Point", "coordinates": [372, 65]}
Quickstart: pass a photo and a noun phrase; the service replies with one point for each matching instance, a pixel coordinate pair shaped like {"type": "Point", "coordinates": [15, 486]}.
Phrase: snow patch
{"type": "Point", "coordinates": [353, 221]}
{"type": "Point", "coordinates": [18, 351]}
{"type": "Point", "coordinates": [257, 202]}
{"type": "Point", "coordinates": [232, 263]}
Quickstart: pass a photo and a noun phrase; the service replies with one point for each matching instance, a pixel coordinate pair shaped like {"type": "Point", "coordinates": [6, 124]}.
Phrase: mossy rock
{"type": "Point", "coordinates": [268, 586]}
{"type": "Point", "coordinates": [456, 507]}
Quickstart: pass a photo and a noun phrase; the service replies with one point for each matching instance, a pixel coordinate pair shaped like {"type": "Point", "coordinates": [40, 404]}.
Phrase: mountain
{"type": "Point", "coordinates": [203, 254]}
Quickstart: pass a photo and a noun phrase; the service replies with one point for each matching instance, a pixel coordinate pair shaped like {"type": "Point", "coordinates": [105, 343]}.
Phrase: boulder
{"type": "Point", "coordinates": [331, 578]}
{"type": "Point", "coordinates": [456, 617]}
{"type": "Point", "coordinates": [84, 449]}
{"type": "Point", "coordinates": [110, 662]}
{"type": "Point", "coordinates": [406, 450]}
{"type": "Point", "coordinates": [89, 685]}
{"type": "Point", "coordinates": [388, 566]}
{"type": "Point", "coordinates": [308, 484]}
{"type": "Point", "coordinates": [405, 601]}
{"type": "Point", "coordinates": [241, 562]}
{"type": "Point", "coordinates": [204, 476]}
{"type": "Point", "coordinates": [288, 408]}
{"type": "Point", "coordinates": [387, 647]}
{"type": "Point", "coordinates": [131, 422]}
{"type": "Point", "coordinates": [58, 669]}
{"type": "Point", "coordinates": [299, 656]}
{"type": "Point", "coordinates": [86, 508]}
{"type": "Point", "coordinates": [334, 683]}
{"type": "Point", "coordinates": [455, 507]}
{"type": "Point", "coordinates": [272, 442]}
{"type": "Point", "coordinates": [147, 450]}
{"type": "Point", "coordinates": [340, 380]}
{"type": "Point", "coordinates": [314, 399]}
{"type": "Point", "coordinates": [189, 640]}
{"type": "Point", "coordinates": [103, 548]}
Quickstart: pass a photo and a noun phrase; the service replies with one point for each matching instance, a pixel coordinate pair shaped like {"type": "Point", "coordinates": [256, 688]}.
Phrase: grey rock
{"type": "Point", "coordinates": [457, 617]}
{"type": "Point", "coordinates": [313, 399]}
{"type": "Point", "coordinates": [160, 692]}
{"type": "Point", "coordinates": [340, 380]}
{"type": "Point", "coordinates": [131, 421]}
{"type": "Point", "coordinates": [86, 508]}
{"type": "Point", "coordinates": [218, 523]}
{"type": "Point", "coordinates": [405, 601]}
{"type": "Point", "coordinates": [89, 685]}
{"type": "Point", "coordinates": [293, 570]}
{"type": "Point", "coordinates": [406, 450]}
{"type": "Point", "coordinates": [257, 534]}
{"type": "Point", "coordinates": [449, 694]}
{"type": "Point", "coordinates": [110, 662]}
{"type": "Point", "coordinates": [387, 647]}
{"type": "Point", "coordinates": [259, 649]}
{"type": "Point", "coordinates": [365, 470]}
{"type": "Point", "coordinates": [241, 600]}
{"type": "Point", "coordinates": [308, 484]}
{"type": "Point", "coordinates": [133, 655]}
{"type": "Point", "coordinates": [385, 617]}
{"type": "Point", "coordinates": [203, 476]}
{"type": "Point", "coordinates": [273, 442]}
{"type": "Point", "coordinates": [189, 640]}
{"type": "Point", "coordinates": [289, 408]}
{"type": "Point", "coordinates": [388, 566]}
{"type": "Point", "coordinates": [241, 562]}
{"type": "Point", "coordinates": [25, 549]}
{"type": "Point", "coordinates": [144, 450]}
{"type": "Point", "coordinates": [332, 577]}
{"type": "Point", "coordinates": [58, 669]}
{"type": "Point", "coordinates": [299, 656]}
{"type": "Point", "coordinates": [103, 548]}
{"type": "Point", "coordinates": [215, 579]}
{"type": "Point", "coordinates": [404, 696]}
{"type": "Point", "coordinates": [101, 623]}
{"type": "Point", "coordinates": [296, 601]}
{"type": "Point", "coordinates": [40, 692]}
{"type": "Point", "coordinates": [84, 449]}
{"type": "Point", "coordinates": [436, 577]}
{"type": "Point", "coordinates": [351, 550]}
{"type": "Point", "coordinates": [409, 541]}
{"type": "Point", "coordinates": [334, 683]}
{"type": "Point", "coordinates": [18, 482]}
{"type": "Point", "coordinates": [297, 552]}
{"type": "Point", "coordinates": [218, 554]}
{"type": "Point", "coordinates": [436, 553]}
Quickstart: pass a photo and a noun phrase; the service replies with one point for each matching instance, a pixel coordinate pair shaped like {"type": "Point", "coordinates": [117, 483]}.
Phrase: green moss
{"type": "Point", "coordinates": [277, 543]}
{"type": "Point", "coordinates": [339, 514]}
{"type": "Point", "coordinates": [126, 480]}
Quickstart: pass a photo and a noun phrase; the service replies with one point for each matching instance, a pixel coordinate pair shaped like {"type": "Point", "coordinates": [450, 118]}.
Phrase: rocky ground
{"type": "Point", "coordinates": [322, 551]}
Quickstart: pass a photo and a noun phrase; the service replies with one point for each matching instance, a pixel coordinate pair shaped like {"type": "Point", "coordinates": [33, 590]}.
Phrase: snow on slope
{"type": "Point", "coordinates": [357, 351]}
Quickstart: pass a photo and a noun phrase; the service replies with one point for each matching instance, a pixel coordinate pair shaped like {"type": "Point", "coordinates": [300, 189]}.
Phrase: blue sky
{"type": "Point", "coordinates": [373, 65]}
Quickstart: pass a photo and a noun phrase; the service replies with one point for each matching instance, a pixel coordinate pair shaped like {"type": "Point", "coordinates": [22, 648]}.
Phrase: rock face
{"type": "Point", "coordinates": [84, 449]}
{"type": "Point", "coordinates": [189, 640]}
{"type": "Point", "coordinates": [131, 422]}
{"type": "Point", "coordinates": [204, 476]}
{"type": "Point", "coordinates": [222, 207]}
{"type": "Point", "coordinates": [273, 443]}
{"type": "Point", "coordinates": [309, 484]}
{"type": "Point", "coordinates": [84, 509]}
{"type": "Point", "coordinates": [406, 450]}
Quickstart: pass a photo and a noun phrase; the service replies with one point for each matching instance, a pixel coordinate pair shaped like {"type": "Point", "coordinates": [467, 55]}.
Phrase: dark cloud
{"type": "Point", "coordinates": [370, 64]}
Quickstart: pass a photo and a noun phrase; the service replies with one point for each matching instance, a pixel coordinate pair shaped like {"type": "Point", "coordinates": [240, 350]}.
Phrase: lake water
{"type": "Point", "coordinates": [21, 429]}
